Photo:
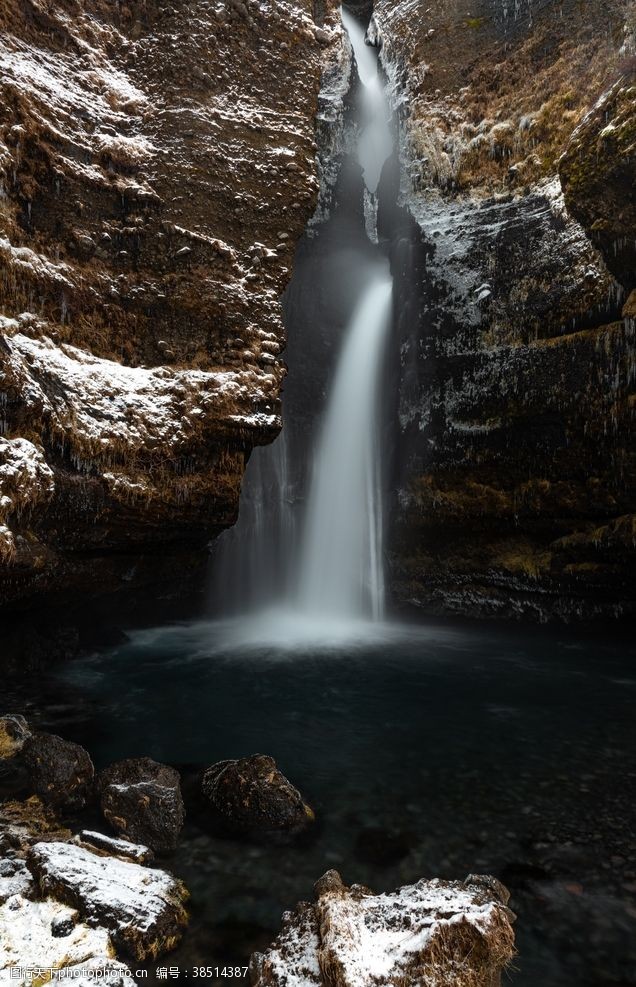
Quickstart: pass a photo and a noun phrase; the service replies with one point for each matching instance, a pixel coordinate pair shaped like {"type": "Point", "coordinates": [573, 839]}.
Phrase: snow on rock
{"type": "Point", "coordinates": [114, 847]}
{"type": "Point", "coordinates": [132, 194]}
{"type": "Point", "coordinates": [143, 908]}
{"type": "Point", "coordinates": [100, 970]}
{"type": "Point", "coordinates": [15, 878]}
{"type": "Point", "coordinates": [434, 932]}
{"type": "Point", "coordinates": [99, 408]}
{"type": "Point", "coordinates": [26, 481]}
{"type": "Point", "coordinates": [45, 935]}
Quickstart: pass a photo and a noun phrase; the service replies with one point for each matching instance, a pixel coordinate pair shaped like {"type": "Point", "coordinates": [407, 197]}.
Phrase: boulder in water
{"type": "Point", "coordinates": [142, 801]}
{"type": "Point", "coordinates": [252, 795]}
{"type": "Point", "coordinates": [143, 909]}
{"type": "Point", "coordinates": [439, 933]}
{"type": "Point", "coordinates": [14, 732]}
{"type": "Point", "coordinates": [61, 772]}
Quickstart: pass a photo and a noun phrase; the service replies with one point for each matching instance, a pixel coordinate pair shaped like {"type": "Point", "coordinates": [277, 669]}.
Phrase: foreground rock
{"type": "Point", "coordinates": [252, 795]}
{"type": "Point", "coordinates": [143, 909]}
{"type": "Point", "coordinates": [48, 935]}
{"type": "Point", "coordinates": [142, 801]}
{"type": "Point", "coordinates": [438, 933]}
{"type": "Point", "coordinates": [61, 772]}
{"type": "Point", "coordinates": [14, 732]}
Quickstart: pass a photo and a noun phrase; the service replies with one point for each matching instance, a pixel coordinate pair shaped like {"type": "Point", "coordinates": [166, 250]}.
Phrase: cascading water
{"type": "Point", "coordinates": [375, 143]}
{"type": "Point", "coordinates": [341, 570]}
{"type": "Point", "coordinates": [333, 572]}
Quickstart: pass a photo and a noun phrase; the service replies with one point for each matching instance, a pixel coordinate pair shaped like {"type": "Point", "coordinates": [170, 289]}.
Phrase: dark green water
{"type": "Point", "coordinates": [428, 751]}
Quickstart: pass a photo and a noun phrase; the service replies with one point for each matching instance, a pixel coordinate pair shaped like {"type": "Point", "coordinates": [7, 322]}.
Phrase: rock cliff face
{"type": "Point", "coordinates": [157, 165]}
{"type": "Point", "coordinates": [513, 248]}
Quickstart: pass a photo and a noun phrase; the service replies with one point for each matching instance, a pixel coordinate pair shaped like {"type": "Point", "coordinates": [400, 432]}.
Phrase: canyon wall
{"type": "Point", "coordinates": [159, 163]}
{"type": "Point", "coordinates": [513, 248]}
{"type": "Point", "coordinates": [157, 166]}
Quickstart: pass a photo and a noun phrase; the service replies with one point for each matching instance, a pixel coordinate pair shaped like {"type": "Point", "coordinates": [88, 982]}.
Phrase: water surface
{"type": "Point", "coordinates": [426, 751]}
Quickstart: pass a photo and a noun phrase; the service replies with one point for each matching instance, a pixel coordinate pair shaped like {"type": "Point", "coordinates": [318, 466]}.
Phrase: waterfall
{"type": "Point", "coordinates": [250, 560]}
{"type": "Point", "coordinates": [325, 566]}
{"type": "Point", "coordinates": [341, 569]}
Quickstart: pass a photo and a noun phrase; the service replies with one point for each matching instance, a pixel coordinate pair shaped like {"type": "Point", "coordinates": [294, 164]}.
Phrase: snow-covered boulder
{"type": "Point", "coordinates": [46, 935]}
{"type": "Point", "coordinates": [143, 908]}
{"type": "Point", "coordinates": [438, 933]}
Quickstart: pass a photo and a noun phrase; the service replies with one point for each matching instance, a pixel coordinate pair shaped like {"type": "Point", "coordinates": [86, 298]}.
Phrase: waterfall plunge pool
{"type": "Point", "coordinates": [426, 751]}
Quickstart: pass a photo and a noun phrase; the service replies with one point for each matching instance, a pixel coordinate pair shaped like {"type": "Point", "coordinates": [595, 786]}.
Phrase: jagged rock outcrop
{"type": "Point", "coordinates": [516, 472]}
{"type": "Point", "coordinates": [440, 933]}
{"type": "Point", "coordinates": [597, 174]}
{"type": "Point", "coordinates": [151, 198]}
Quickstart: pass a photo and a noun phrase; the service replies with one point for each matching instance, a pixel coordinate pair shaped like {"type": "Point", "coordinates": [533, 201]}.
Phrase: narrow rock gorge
{"type": "Point", "coordinates": [152, 199]}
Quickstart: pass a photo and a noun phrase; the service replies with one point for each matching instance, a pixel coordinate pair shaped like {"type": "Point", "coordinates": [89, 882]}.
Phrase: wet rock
{"type": "Point", "coordinates": [434, 932]}
{"type": "Point", "coordinates": [24, 823]}
{"type": "Point", "coordinates": [143, 908]}
{"type": "Point", "coordinates": [514, 393]}
{"type": "Point", "coordinates": [14, 732]}
{"type": "Point", "coordinates": [597, 175]}
{"type": "Point", "coordinates": [629, 308]}
{"type": "Point", "coordinates": [141, 799]}
{"type": "Point", "coordinates": [252, 795]}
{"type": "Point", "coordinates": [61, 772]}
